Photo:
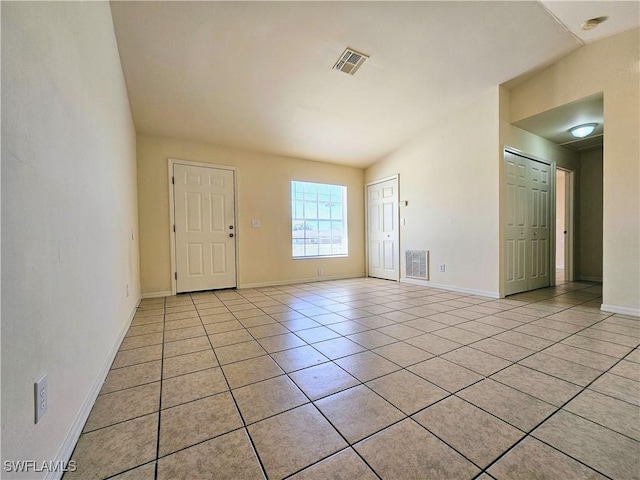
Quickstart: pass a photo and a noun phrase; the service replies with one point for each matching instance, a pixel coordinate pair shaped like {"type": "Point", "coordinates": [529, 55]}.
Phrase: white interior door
{"type": "Point", "coordinates": [516, 225]}
{"type": "Point", "coordinates": [527, 229]}
{"type": "Point", "coordinates": [383, 236]}
{"type": "Point", "coordinates": [204, 215]}
{"type": "Point", "coordinates": [539, 213]}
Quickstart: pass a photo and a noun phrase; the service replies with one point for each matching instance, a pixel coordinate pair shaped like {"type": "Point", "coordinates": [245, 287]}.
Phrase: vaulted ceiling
{"type": "Point", "coordinates": [258, 75]}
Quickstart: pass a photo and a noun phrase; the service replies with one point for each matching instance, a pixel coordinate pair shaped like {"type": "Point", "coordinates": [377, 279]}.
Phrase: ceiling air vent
{"type": "Point", "coordinates": [350, 61]}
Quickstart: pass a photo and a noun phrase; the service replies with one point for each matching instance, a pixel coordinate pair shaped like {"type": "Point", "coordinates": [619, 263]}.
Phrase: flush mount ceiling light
{"type": "Point", "coordinates": [581, 131]}
{"type": "Point", "coordinates": [350, 61]}
{"type": "Point", "coordinates": [593, 23]}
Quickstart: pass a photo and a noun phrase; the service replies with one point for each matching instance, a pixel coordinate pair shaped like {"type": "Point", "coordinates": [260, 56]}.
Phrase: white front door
{"type": "Point", "coordinates": [204, 215]}
{"type": "Point", "coordinates": [527, 229]}
{"type": "Point", "coordinates": [383, 230]}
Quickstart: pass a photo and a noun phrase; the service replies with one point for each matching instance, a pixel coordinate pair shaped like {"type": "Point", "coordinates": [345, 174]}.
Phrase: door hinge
{"type": "Point", "coordinates": [175, 275]}
{"type": "Point", "coordinates": [174, 229]}
{"type": "Point", "coordinates": [173, 180]}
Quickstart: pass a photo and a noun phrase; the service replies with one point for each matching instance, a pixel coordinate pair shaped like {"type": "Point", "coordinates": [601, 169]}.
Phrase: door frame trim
{"type": "Point", "coordinates": [172, 234]}
{"type": "Point", "coordinates": [552, 216]}
{"type": "Point", "coordinates": [366, 223]}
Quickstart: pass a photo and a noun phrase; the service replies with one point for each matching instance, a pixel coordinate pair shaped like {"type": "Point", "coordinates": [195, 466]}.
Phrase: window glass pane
{"type": "Point", "coordinates": [324, 233]}
{"type": "Point", "coordinates": [324, 198]}
{"type": "Point", "coordinates": [311, 210]}
{"type": "Point", "coordinates": [298, 210]}
{"type": "Point", "coordinates": [324, 210]}
{"type": "Point", "coordinates": [310, 191]}
{"type": "Point", "coordinates": [318, 223]}
{"type": "Point", "coordinates": [336, 211]}
{"type": "Point", "coordinates": [311, 250]}
{"type": "Point", "coordinates": [324, 189]}
{"type": "Point", "coordinates": [311, 227]}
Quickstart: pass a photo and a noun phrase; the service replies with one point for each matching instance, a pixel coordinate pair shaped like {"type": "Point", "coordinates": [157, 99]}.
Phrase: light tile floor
{"type": "Point", "coordinates": [365, 378]}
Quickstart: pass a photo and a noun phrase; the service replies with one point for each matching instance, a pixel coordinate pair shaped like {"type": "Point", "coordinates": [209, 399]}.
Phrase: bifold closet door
{"type": "Point", "coordinates": [527, 229]}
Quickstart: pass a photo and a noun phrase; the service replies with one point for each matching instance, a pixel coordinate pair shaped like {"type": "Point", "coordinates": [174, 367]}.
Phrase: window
{"type": "Point", "coordinates": [318, 219]}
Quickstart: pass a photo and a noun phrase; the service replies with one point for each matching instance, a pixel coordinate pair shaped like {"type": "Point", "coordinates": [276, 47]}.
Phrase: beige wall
{"type": "Point", "coordinates": [264, 193]}
{"type": "Point", "coordinates": [610, 66]}
{"type": "Point", "coordinates": [68, 214]}
{"type": "Point", "coordinates": [449, 176]}
{"type": "Point", "coordinates": [590, 265]}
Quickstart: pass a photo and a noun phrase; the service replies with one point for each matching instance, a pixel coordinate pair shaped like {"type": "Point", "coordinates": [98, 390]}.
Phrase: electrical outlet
{"type": "Point", "coordinates": [442, 267]}
{"type": "Point", "coordinates": [41, 392]}
{"type": "Point", "coordinates": [320, 272]}
{"type": "Point", "coordinates": [255, 223]}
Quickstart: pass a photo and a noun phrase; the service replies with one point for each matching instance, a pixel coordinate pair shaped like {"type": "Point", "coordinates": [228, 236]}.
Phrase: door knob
{"type": "Point", "coordinates": [231, 235]}
{"type": "Point", "coordinates": [230, 227]}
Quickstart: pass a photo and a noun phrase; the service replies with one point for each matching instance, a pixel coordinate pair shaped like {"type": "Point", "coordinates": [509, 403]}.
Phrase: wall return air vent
{"type": "Point", "coordinates": [350, 61]}
{"type": "Point", "coordinates": [417, 264]}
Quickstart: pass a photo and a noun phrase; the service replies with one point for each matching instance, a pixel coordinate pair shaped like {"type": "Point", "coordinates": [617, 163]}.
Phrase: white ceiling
{"type": "Point", "coordinates": [622, 15]}
{"type": "Point", "coordinates": [258, 75]}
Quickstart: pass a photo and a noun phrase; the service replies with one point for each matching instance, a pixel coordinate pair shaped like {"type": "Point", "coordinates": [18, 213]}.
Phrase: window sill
{"type": "Point", "coordinates": [314, 257]}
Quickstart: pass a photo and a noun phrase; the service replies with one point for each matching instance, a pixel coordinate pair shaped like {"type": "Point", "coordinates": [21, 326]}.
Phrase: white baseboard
{"type": "Point", "coordinates": [268, 284]}
{"type": "Point", "coordinates": [591, 279]}
{"type": "Point", "coordinates": [633, 312]}
{"type": "Point", "coordinates": [157, 294]}
{"type": "Point", "coordinates": [300, 280]}
{"type": "Point", "coordinates": [69, 444]}
{"type": "Point", "coordinates": [452, 288]}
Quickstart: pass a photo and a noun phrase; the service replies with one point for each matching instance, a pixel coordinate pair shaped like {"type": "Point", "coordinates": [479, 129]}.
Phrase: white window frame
{"type": "Point", "coordinates": [344, 233]}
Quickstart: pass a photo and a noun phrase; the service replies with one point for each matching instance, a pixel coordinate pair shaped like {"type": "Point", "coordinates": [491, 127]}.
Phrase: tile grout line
{"type": "Point", "coordinates": [410, 417]}
{"type": "Point", "coordinates": [242, 420]}
{"type": "Point", "coordinates": [405, 416]}
{"type": "Point", "coordinates": [526, 434]}
{"type": "Point", "coordinates": [401, 368]}
{"type": "Point", "coordinates": [317, 409]}
{"type": "Point", "coordinates": [155, 474]}
{"type": "Point", "coordinates": [310, 402]}
{"type": "Point", "coordinates": [558, 409]}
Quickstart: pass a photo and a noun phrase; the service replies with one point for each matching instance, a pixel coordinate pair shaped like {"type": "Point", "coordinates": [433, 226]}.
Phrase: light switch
{"type": "Point", "coordinates": [255, 223]}
{"type": "Point", "coordinates": [403, 221]}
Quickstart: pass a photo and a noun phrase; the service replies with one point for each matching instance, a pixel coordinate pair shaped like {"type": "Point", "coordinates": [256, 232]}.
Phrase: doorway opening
{"type": "Point", "coordinates": [564, 222]}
